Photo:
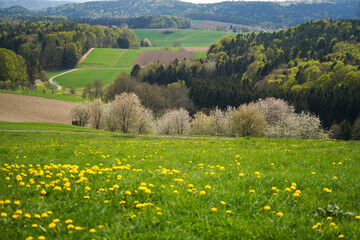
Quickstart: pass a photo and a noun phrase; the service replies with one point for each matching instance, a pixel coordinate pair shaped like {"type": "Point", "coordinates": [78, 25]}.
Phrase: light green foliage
{"type": "Point", "coordinates": [12, 67]}
{"type": "Point", "coordinates": [239, 178]}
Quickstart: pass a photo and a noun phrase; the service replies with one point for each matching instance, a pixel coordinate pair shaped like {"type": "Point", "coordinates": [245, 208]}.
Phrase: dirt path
{"type": "Point", "coordinates": [51, 80]}
{"type": "Point", "coordinates": [85, 55]}
{"type": "Point", "coordinates": [22, 108]}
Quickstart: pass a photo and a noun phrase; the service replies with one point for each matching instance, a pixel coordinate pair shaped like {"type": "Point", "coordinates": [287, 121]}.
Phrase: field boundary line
{"type": "Point", "coordinates": [118, 58]}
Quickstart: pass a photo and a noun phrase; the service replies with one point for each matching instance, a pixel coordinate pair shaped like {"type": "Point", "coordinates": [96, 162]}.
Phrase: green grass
{"type": "Point", "coordinates": [197, 21]}
{"type": "Point", "coordinates": [198, 55]}
{"type": "Point", "coordinates": [187, 38]}
{"type": "Point", "coordinates": [95, 171]}
{"type": "Point", "coordinates": [58, 96]}
{"type": "Point", "coordinates": [81, 77]}
{"type": "Point", "coordinates": [34, 126]}
{"type": "Point", "coordinates": [52, 73]}
{"type": "Point", "coordinates": [110, 58]}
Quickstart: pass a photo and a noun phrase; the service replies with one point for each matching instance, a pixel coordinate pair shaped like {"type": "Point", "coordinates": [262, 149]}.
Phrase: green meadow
{"type": "Point", "coordinates": [63, 185]}
{"type": "Point", "coordinates": [81, 77]}
{"type": "Point", "coordinates": [186, 37]}
{"type": "Point", "coordinates": [110, 58]}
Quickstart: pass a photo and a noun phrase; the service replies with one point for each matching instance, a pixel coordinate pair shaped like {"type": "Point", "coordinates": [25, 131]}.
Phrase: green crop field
{"type": "Point", "coordinates": [110, 58]}
{"type": "Point", "coordinates": [113, 186]}
{"type": "Point", "coordinates": [80, 78]}
{"type": "Point", "coordinates": [187, 38]}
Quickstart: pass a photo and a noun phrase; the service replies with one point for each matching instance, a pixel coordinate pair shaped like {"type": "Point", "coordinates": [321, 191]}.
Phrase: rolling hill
{"type": "Point", "coordinates": [266, 14]}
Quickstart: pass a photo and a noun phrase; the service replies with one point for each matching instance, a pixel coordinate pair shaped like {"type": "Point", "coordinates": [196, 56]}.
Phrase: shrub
{"type": "Point", "coordinates": [174, 122]}
{"type": "Point", "coordinates": [247, 120]}
{"type": "Point", "coordinates": [127, 109]}
{"type": "Point", "coordinates": [80, 112]}
{"type": "Point", "coordinates": [96, 109]}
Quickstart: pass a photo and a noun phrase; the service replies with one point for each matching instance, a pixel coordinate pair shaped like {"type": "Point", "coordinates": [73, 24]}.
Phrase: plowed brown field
{"type": "Point", "coordinates": [165, 57]}
{"type": "Point", "coordinates": [21, 108]}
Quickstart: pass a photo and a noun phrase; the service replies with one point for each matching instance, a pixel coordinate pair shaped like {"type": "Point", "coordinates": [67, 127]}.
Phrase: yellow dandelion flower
{"type": "Point", "coordinates": [27, 215]}
{"type": "Point", "coordinates": [68, 221]}
{"type": "Point", "coordinates": [357, 217]}
{"type": "Point", "coordinates": [17, 202]}
{"type": "Point", "coordinates": [241, 174]}
{"type": "Point", "coordinates": [222, 203]}
{"type": "Point", "coordinates": [213, 209]}
{"type": "Point", "coordinates": [252, 191]}
{"type": "Point", "coordinates": [86, 197]}
{"type": "Point", "coordinates": [159, 213]}
{"type": "Point", "coordinates": [43, 192]}
{"type": "Point", "coordinates": [4, 214]}
{"type": "Point", "coordinates": [341, 236]}
{"type": "Point", "coordinates": [190, 186]}
{"type": "Point", "coordinates": [15, 216]}
{"type": "Point", "coordinates": [70, 226]}
{"type": "Point", "coordinates": [176, 191]}
{"type": "Point", "coordinates": [122, 202]}
{"type": "Point", "coordinates": [267, 208]}
{"type": "Point", "coordinates": [280, 214]}
{"type": "Point", "coordinates": [52, 225]}
{"type": "Point", "coordinates": [34, 225]}
{"type": "Point", "coordinates": [329, 218]}
{"type": "Point", "coordinates": [78, 228]}
{"type": "Point", "coordinates": [93, 230]}
{"type": "Point", "coordinates": [202, 193]}
{"type": "Point", "coordinates": [19, 212]}
{"type": "Point", "coordinates": [44, 215]}
{"type": "Point", "coordinates": [296, 195]}
{"type": "Point", "coordinates": [128, 193]}
{"type": "Point", "coordinates": [41, 238]}
{"type": "Point", "coordinates": [228, 212]}
{"type": "Point", "coordinates": [287, 189]}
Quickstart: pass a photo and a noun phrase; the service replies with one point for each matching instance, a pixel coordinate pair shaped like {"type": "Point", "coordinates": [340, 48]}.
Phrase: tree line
{"type": "Point", "coordinates": [314, 66]}
{"type": "Point", "coordinates": [273, 118]}
{"type": "Point", "coordinates": [60, 45]}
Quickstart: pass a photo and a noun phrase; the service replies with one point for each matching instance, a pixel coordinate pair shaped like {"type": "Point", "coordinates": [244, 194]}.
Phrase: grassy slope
{"type": "Point", "coordinates": [34, 126]}
{"type": "Point", "coordinates": [80, 78]}
{"type": "Point", "coordinates": [119, 59]}
{"type": "Point", "coordinates": [167, 167]}
{"type": "Point", "coordinates": [187, 38]}
{"type": "Point", "coordinates": [70, 98]}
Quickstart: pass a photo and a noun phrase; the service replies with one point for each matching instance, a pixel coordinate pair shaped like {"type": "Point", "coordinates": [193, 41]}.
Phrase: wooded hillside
{"type": "Point", "coordinates": [61, 44]}
{"type": "Point", "coordinates": [315, 66]}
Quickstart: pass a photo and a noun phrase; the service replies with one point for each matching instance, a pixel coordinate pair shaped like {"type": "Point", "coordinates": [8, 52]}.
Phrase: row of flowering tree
{"type": "Point", "coordinates": [273, 118]}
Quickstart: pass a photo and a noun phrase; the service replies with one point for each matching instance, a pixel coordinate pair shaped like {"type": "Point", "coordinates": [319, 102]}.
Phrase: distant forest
{"type": "Point", "coordinates": [315, 66]}
{"type": "Point", "coordinates": [145, 22]}
{"type": "Point", "coordinates": [266, 14]}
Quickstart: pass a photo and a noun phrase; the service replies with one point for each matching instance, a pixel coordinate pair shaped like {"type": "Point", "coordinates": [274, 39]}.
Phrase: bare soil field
{"type": "Point", "coordinates": [196, 49]}
{"type": "Point", "coordinates": [165, 57]}
{"type": "Point", "coordinates": [21, 108]}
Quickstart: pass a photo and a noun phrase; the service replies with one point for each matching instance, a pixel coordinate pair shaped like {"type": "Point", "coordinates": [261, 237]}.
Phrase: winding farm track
{"type": "Point", "coordinates": [22, 108]}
